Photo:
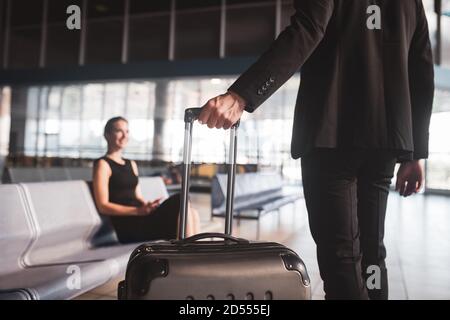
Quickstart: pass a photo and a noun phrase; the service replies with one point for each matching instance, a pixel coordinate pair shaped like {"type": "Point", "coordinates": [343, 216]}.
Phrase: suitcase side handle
{"type": "Point", "coordinates": [202, 236]}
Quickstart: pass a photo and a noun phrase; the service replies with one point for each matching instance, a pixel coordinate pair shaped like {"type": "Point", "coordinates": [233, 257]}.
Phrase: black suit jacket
{"type": "Point", "coordinates": [360, 88]}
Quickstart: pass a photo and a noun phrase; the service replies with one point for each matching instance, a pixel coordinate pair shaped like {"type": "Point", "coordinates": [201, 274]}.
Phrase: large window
{"type": "Point", "coordinates": [5, 120]}
{"type": "Point", "coordinates": [445, 28]}
{"type": "Point", "coordinates": [92, 120]}
{"type": "Point", "coordinates": [438, 164]}
{"type": "Point", "coordinates": [68, 121]}
{"type": "Point", "coordinates": [70, 125]}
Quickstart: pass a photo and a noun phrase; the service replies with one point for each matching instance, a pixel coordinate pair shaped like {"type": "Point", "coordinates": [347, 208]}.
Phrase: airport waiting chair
{"type": "Point", "coordinates": [17, 282]}
{"type": "Point", "coordinates": [46, 229]}
{"type": "Point", "coordinates": [16, 233]}
{"type": "Point", "coordinates": [81, 173]}
{"type": "Point", "coordinates": [54, 174]}
{"type": "Point", "coordinates": [255, 194]}
{"type": "Point", "coordinates": [67, 220]}
{"type": "Point", "coordinates": [25, 175]}
{"type": "Point", "coordinates": [19, 175]}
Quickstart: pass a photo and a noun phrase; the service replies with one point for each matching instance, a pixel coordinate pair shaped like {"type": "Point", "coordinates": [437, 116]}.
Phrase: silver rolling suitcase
{"type": "Point", "coordinates": [201, 268]}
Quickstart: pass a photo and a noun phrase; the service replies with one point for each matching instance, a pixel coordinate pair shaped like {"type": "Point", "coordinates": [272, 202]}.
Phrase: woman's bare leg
{"type": "Point", "coordinates": [193, 222]}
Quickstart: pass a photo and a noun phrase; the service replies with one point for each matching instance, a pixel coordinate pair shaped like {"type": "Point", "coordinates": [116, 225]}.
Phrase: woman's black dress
{"type": "Point", "coordinates": [160, 224]}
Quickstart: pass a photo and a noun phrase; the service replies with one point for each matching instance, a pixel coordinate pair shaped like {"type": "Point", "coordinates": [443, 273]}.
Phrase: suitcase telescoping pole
{"type": "Point", "coordinates": [190, 116]}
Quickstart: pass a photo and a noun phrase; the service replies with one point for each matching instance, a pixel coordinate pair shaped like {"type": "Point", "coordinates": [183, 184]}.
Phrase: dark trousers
{"type": "Point", "coordinates": [158, 225]}
{"type": "Point", "coordinates": [346, 195]}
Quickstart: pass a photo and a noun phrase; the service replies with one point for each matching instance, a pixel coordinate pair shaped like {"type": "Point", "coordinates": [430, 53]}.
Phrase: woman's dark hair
{"type": "Point", "coordinates": [109, 127]}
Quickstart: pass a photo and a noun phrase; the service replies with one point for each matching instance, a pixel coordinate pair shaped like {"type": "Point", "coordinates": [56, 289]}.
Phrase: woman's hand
{"type": "Point", "coordinates": [143, 210]}
{"type": "Point", "coordinates": [147, 208]}
{"type": "Point", "coordinates": [153, 204]}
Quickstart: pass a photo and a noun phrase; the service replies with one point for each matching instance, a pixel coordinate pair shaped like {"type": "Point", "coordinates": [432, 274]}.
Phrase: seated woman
{"type": "Point", "coordinates": [117, 194]}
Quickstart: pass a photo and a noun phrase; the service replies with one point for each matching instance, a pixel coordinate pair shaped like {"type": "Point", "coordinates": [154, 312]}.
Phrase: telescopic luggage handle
{"type": "Point", "coordinates": [190, 116]}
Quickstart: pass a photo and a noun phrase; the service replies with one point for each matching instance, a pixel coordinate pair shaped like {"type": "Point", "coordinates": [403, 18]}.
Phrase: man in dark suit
{"type": "Point", "coordinates": [364, 104]}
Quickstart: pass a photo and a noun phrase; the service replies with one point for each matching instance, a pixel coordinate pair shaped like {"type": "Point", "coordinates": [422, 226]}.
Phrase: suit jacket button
{"type": "Point", "coordinates": [271, 80]}
{"type": "Point", "coordinates": [260, 92]}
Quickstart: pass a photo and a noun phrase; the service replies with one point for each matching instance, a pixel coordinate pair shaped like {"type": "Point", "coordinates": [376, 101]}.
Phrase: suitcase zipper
{"type": "Point", "coordinates": [206, 248]}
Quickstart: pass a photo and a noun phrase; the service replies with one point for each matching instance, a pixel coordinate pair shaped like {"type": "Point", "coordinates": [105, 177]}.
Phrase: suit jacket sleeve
{"type": "Point", "coordinates": [421, 83]}
{"type": "Point", "coordinates": [286, 54]}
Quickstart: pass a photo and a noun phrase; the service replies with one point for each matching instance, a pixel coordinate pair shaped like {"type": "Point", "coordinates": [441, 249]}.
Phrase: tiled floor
{"type": "Point", "coordinates": [417, 241]}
